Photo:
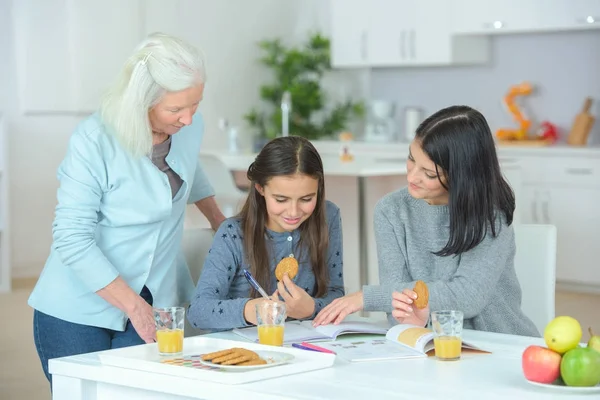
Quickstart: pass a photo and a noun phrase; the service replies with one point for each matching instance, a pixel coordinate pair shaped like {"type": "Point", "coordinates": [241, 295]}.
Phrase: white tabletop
{"type": "Point", "coordinates": [498, 375]}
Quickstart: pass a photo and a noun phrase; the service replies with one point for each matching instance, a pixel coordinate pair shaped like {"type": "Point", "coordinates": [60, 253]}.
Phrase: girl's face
{"type": "Point", "coordinates": [290, 200]}
{"type": "Point", "coordinates": [423, 181]}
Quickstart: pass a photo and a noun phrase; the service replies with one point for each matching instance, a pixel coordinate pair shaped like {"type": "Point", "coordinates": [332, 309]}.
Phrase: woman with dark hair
{"type": "Point", "coordinates": [451, 228]}
{"type": "Point", "coordinates": [285, 215]}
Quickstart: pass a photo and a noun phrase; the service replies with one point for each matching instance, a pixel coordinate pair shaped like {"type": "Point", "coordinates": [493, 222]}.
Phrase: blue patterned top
{"type": "Point", "coordinates": [222, 290]}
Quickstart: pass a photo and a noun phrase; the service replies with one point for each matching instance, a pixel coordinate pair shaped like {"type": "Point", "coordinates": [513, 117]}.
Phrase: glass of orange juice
{"type": "Point", "coordinates": [447, 329]}
{"type": "Point", "coordinates": [271, 317]}
{"type": "Point", "coordinates": [169, 330]}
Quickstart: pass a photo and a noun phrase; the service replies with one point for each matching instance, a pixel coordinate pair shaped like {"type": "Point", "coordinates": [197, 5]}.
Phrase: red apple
{"type": "Point", "coordinates": [541, 364]}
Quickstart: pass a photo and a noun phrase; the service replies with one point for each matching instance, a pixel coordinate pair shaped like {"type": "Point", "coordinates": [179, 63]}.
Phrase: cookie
{"type": "Point", "coordinates": [288, 265]}
{"type": "Point", "coordinates": [216, 354]}
{"type": "Point", "coordinates": [234, 356]}
{"type": "Point", "coordinates": [422, 295]}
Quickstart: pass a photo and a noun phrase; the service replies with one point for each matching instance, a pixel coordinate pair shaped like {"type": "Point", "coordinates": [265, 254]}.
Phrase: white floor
{"type": "Point", "coordinates": [21, 376]}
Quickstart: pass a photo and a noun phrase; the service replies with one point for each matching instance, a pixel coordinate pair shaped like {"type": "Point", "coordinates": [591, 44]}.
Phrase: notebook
{"type": "Point", "coordinates": [303, 331]}
{"type": "Point", "coordinates": [401, 341]}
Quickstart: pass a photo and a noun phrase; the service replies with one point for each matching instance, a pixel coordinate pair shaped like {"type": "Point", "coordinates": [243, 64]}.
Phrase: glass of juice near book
{"type": "Point", "coordinates": [169, 330]}
{"type": "Point", "coordinates": [270, 317]}
{"type": "Point", "coordinates": [447, 329]}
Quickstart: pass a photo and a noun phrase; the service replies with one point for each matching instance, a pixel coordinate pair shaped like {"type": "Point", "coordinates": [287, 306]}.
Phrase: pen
{"type": "Point", "coordinates": [311, 346]}
{"type": "Point", "coordinates": [255, 284]}
{"type": "Point", "coordinates": [299, 346]}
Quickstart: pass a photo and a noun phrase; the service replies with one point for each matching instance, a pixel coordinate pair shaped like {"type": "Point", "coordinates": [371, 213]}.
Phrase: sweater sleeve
{"type": "Point", "coordinates": [211, 308]}
{"type": "Point", "coordinates": [391, 260]}
{"type": "Point", "coordinates": [335, 255]}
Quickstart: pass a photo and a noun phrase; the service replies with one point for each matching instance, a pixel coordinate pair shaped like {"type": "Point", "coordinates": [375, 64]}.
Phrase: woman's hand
{"type": "Point", "coordinates": [339, 309]}
{"type": "Point", "coordinates": [298, 303]}
{"type": "Point", "coordinates": [142, 319]}
{"type": "Point", "coordinates": [403, 310]}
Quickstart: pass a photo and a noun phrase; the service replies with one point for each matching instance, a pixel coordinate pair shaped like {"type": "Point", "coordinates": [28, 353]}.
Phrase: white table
{"type": "Point", "coordinates": [492, 376]}
{"type": "Point", "coordinates": [355, 187]}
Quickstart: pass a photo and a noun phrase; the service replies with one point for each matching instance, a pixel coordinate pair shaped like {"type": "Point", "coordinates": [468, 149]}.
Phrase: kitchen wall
{"type": "Point", "coordinates": [38, 143]}
{"type": "Point", "coordinates": [563, 67]}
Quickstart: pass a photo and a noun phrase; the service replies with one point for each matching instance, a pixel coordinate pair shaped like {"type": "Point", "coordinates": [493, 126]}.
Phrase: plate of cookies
{"type": "Point", "coordinates": [240, 359]}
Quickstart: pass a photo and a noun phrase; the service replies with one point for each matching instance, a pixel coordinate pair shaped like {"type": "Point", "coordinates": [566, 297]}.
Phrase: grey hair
{"type": "Point", "coordinates": [160, 64]}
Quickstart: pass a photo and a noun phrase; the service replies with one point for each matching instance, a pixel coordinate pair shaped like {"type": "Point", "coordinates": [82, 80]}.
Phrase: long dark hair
{"type": "Point", "coordinates": [285, 156]}
{"type": "Point", "coordinates": [459, 141]}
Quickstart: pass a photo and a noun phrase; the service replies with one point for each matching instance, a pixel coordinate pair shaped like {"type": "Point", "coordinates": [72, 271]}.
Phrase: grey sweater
{"type": "Point", "coordinates": [222, 290]}
{"type": "Point", "coordinates": [481, 282]}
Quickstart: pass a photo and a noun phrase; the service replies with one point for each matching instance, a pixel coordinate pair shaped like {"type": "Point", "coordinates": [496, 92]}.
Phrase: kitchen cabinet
{"type": "Point", "coordinates": [349, 32]}
{"type": "Point", "coordinates": [517, 16]}
{"type": "Point", "coordinates": [385, 33]}
{"type": "Point", "coordinates": [67, 53]}
{"type": "Point", "coordinates": [564, 192]}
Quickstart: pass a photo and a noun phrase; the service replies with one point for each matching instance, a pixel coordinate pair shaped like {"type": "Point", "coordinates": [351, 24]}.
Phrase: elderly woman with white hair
{"type": "Point", "coordinates": [129, 171]}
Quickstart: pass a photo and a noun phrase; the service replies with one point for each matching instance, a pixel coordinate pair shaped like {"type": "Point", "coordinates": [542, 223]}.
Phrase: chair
{"type": "Point", "coordinates": [535, 265]}
{"type": "Point", "coordinates": [195, 245]}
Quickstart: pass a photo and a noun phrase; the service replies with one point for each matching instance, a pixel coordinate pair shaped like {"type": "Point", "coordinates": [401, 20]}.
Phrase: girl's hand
{"type": "Point", "coordinates": [339, 309]}
{"type": "Point", "coordinates": [404, 311]}
{"type": "Point", "coordinates": [298, 303]}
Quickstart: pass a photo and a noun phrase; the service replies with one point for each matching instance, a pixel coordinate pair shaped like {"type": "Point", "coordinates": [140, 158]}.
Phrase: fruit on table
{"type": "Point", "coordinates": [541, 364]}
{"type": "Point", "coordinates": [580, 367]}
{"type": "Point", "coordinates": [562, 334]}
{"type": "Point", "coordinates": [594, 342]}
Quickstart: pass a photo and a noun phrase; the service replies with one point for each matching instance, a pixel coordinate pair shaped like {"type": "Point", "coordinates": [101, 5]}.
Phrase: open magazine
{"type": "Point", "coordinates": [401, 341]}
{"type": "Point", "coordinates": [303, 331]}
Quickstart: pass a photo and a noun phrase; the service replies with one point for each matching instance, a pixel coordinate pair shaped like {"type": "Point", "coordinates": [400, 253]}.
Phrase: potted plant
{"type": "Point", "coordinates": [299, 71]}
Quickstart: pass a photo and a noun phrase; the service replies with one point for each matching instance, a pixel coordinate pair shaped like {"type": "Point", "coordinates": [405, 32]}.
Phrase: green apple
{"type": "Point", "coordinates": [594, 341]}
{"type": "Point", "coordinates": [580, 367]}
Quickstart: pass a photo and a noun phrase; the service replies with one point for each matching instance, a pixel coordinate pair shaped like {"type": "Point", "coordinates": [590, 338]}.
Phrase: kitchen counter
{"type": "Point", "coordinates": [363, 166]}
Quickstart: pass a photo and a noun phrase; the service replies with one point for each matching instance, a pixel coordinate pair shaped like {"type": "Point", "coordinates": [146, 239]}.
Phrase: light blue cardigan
{"type": "Point", "coordinates": [116, 217]}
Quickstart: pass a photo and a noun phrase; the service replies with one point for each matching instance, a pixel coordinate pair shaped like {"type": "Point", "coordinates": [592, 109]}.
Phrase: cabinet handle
{"type": "Point", "coordinates": [534, 211]}
{"type": "Point", "coordinates": [579, 171]}
{"type": "Point", "coordinates": [413, 51]}
{"type": "Point", "coordinates": [363, 45]}
{"type": "Point", "coordinates": [403, 44]}
{"type": "Point", "coordinates": [545, 212]}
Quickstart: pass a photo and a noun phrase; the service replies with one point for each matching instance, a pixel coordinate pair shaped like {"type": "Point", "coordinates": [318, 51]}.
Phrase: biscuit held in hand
{"type": "Point", "coordinates": [288, 265]}
{"type": "Point", "coordinates": [422, 295]}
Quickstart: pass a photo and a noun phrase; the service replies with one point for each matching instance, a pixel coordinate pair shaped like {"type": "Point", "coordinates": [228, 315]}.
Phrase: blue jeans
{"type": "Point", "coordinates": [55, 337]}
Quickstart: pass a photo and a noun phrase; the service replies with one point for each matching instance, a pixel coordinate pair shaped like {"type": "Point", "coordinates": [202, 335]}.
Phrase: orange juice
{"type": "Point", "coordinates": [270, 334]}
{"type": "Point", "coordinates": [447, 347]}
{"type": "Point", "coordinates": [170, 341]}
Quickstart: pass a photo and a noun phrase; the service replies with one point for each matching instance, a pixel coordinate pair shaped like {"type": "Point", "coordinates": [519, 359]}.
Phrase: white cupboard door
{"type": "Point", "coordinates": [431, 40]}
{"type": "Point", "coordinates": [391, 38]}
{"type": "Point", "coordinates": [103, 33]}
{"type": "Point", "coordinates": [349, 33]}
{"type": "Point", "coordinates": [69, 51]}
{"type": "Point", "coordinates": [571, 15]}
{"type": "Point", "coordinates": [577, 218]}
{"type": "Point", "coordinates": [507, 16]}
{"type": "Point", "coordinates": [42, 56]}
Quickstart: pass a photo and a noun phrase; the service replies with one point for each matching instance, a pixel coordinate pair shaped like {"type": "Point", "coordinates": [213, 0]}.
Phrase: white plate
{"type": "Point", "coordinates": [273, 359]}
{"type": "Point", "coordinates": [568, 389]}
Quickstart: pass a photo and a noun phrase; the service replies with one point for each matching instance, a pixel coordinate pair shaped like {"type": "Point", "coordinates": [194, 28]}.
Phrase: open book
{"type": "Point", "coordinates": [303, 331]}
{"type": "Point", "coordinates": [401, 341]}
